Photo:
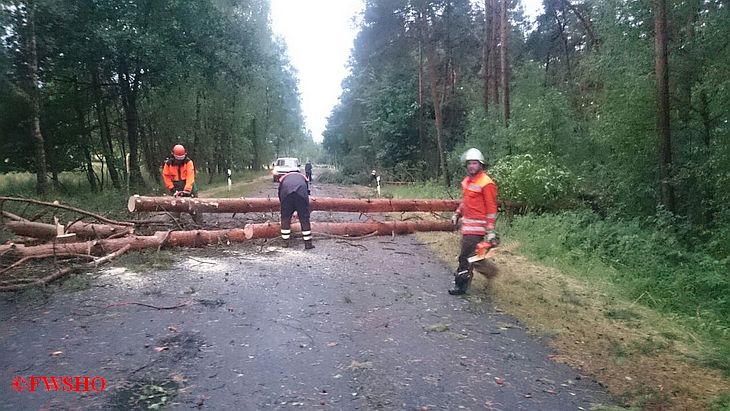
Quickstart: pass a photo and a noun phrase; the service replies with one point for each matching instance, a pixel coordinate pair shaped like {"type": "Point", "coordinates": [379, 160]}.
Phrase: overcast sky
{"type": "Point", "coordinates": [319, 36]}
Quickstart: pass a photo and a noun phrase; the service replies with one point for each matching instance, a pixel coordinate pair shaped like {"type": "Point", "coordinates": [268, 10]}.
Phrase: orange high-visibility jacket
{"type": "Point", "coordinates": [479, 207]}
{"type": "Point", "coordinates": [179, 175]}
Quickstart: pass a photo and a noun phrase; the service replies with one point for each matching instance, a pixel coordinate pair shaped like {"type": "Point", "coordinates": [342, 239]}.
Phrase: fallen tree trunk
{"type": "Point", "coordinates": [82, 230]}
{"type": "Point", "coordinates": [253, 205]}
{"type": "Point", "coordinates": [198, 238]}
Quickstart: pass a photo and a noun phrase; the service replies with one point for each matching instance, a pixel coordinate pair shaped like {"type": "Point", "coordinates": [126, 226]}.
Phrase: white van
{"type": "Point", "coordinates": [284, 165]}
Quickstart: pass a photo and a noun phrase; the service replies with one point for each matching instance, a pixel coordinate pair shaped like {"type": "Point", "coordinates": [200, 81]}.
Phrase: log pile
{"type": "Point", "coordinates": [105, 239]}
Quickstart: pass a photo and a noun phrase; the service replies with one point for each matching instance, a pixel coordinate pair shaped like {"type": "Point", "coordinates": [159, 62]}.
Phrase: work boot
{"type": "Point", "coordinates": [308, 245]}
{"type": "Point", "coordinates": [462, 279]}
{"type": "Point", "coordinates": [285, 244]}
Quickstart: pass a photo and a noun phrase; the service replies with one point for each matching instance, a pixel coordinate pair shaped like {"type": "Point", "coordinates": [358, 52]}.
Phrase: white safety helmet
{"type": "Point", "coordinates": [472, 154]}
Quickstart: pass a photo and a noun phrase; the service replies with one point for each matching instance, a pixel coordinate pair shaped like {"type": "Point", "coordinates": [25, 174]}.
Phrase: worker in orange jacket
{"type": "Point", "coordinates": [178, 173]}
{"type": "Point", "coordinates": [478, 214]}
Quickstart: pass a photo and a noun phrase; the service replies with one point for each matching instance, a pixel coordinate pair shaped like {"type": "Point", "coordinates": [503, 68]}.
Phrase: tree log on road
{"type": "Point", "coordinates": [82, 230]}
{"type": "Point", "coordinates": [250, 205]}
{"type": "Point", "coordinates": [198, 238]}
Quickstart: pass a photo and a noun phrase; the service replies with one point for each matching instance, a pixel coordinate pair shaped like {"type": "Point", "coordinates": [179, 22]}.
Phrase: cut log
{"type": "Point", "coordinates": [198, 238]}
{"type": "Point", "coordinates": [252, 205]}
{"type": "Point", "coordinates": [82, 230]}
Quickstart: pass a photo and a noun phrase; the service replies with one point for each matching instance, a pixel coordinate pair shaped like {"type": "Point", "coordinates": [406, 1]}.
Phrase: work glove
{"type": "Point", "coordinates": [455, 219]}
{"type": "Point", "coordinates": [492, 238]}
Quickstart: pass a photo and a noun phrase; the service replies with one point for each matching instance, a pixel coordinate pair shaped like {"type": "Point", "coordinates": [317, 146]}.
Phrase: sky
{"type": "Point", "coordinates": [319, 35]}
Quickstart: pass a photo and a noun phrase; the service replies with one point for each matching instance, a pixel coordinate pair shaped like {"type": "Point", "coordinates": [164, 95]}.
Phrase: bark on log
{"type": "Point", "coordinates": [82, 230]}
{"type": "Point", "coordinates": [250, 205]}
{"type": "Point", "coordinates": [198, 238]}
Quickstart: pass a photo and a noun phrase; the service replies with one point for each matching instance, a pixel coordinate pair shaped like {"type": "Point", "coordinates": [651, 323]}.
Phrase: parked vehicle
{"type": "Point", "coordinates": [284, 165]}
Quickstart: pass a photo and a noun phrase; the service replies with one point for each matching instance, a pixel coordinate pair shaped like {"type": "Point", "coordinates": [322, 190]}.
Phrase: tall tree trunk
{"type": "Point", "coordinates": [35, 97]}
{"type": "Point", "coordinates": [688, 74]}
{"type": "Point", "coordinates": [486, 52]}
{"type": "Point", "coordinates": [437, 103]}
{"type": "Point", "coordinates": [495, 54]}
{"type": "Point", "coordinates": [505, 30]}
{"type": "Point", "coordinates": [662, 89]}
{"type": "Point", "coordinates": [563, 24]}
{"type": "Point", "coordinates": [421, 138]}
{"type": "Point", "coordinates": [255, 161]}
{"type": "Point", "coordinates": [197, 131]}
{"type": "Point", "coordinates": [585, 22]}
{"type": "Point", "coordinates": [107, 147]}
{"type": "Point", "coordinates": [152, 160]}
{"type": "Point", "coordinates": [86, 146]}
{"type": "Point", "coordinates": [704, 111]}
{"type": "Point", "coordinates": [129, 103]}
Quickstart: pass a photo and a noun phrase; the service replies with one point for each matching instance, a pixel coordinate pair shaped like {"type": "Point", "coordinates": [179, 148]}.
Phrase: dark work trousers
{"type": "Point", "coordinates": [468, 249]}
{"type": "Point", "coordinates": [289, 204]}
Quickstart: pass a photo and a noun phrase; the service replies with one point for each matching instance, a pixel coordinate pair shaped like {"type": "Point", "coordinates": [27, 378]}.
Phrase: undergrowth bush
{"type": "Point", "coordinates": [648, 256]}
{"type": "Point", "coordinates": [538, 181]}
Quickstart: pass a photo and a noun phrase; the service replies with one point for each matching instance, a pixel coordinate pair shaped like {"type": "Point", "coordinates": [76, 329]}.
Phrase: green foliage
{"type": "Point", "coordinates": [335, 177]}
{"type": "Point", "coordinates": [538, 181]}
{"type": "Point", "coordinates": [648, 257]}
{"type": "Point", "coordinates": [426, 189]}
{"type": "Point", "coordinates": [721, 403]}
{"type": "Point", "coordinates": [148, 75]}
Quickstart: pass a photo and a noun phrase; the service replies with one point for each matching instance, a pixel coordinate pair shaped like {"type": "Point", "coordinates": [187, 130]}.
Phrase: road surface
{"type": "Point", "coordinates": [350, 325]}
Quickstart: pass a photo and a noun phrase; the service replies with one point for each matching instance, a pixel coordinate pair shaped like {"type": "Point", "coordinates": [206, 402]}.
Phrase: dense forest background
{"type": "Point", "coordinates": [620, 104]}
{"type": "Point", "coordinates": [85, 84]}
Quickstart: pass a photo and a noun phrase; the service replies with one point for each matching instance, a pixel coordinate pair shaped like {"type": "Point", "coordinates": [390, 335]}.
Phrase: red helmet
{"type": "Point", "coordinates": [178, 151]}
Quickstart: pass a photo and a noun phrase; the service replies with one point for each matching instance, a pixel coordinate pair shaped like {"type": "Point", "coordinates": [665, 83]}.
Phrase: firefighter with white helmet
{"type": "Point", "coordinates": [477, 212]}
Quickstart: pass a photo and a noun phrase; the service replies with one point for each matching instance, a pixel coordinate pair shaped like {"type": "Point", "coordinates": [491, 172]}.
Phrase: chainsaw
{"type": "Point", "coordinates": [482, 262]}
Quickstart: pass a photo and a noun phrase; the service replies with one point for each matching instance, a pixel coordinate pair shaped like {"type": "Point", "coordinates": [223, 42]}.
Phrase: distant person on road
{"type": "Point", "coordinates": [294, 196]}
{"type": "Point", "coordinates": [178, 173]}
{"type": "Point", "coordinates": [478, 212]}
{"type": "Point", "coordinates": [373, 178]}
{"type": "Point", "coordinates": [308, 170]}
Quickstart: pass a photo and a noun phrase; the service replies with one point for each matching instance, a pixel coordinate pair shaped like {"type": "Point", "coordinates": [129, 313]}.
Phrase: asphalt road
{"type": "Point", "coordinates": [350, 325]}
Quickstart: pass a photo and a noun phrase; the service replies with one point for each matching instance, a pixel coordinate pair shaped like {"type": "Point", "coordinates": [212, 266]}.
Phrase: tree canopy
{"type": "Point", "coordinates": [116, 79]}
{"type": "Point", "coordinates": [583, 93]}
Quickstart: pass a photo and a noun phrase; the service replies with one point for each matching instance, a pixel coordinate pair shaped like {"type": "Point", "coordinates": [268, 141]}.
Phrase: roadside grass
{"type": "Point", "coordinates": [646, 351]}
{"type": "Point", "coordinates": [242, 184]}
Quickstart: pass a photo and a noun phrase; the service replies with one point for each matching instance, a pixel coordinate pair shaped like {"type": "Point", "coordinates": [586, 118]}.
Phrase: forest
{"type": "Point", "coordinates": [107, 88]}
